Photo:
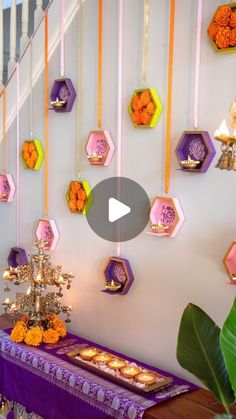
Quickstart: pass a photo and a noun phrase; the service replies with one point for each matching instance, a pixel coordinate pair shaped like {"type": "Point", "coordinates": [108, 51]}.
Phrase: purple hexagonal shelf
{"type": "Point", "coordinates": [62, 95]}
{"type": "Point", "coordinates": [7, 188]}
{"type": "Point", "coordinates": [16, 257]}
{"type": "Point", "coordinates": [47, 230]}
{"type": "Point", "coordinates": [195, 146]}
{"type": "Point", "coordinates": [119, 271]}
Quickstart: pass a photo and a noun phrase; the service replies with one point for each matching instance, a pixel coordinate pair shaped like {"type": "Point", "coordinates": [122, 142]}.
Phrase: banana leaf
{"type": "Point", "coordinates": [199, 352]}
{"type": "Point", "coordinates": [228, 344]}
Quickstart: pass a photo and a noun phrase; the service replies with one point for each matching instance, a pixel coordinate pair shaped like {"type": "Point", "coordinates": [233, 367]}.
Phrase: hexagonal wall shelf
{"type": "Point", "coordinates": [221, 30]}
{"type": "Point", "coordinates": [32, 154]}
{"type": "Point", "coordinates": [47, 230]}
{"type": "Point", "coordinates": [166, 217]}
{"type": "Point", "coordinates": [16, 257]}
{"type": "Point", "coordinates": [118, 276]}
{"type": "Point", "coordinates": [145, 108]}
{"type": "Point", "coordinates": [99, 148]}
{"type": "Point", "coordinates": [79, 197]}
{"type": "Point", "coordinates": [230, 262]}
{"type": "Point", "coordinates": [62, 95]}
{"type": "Point", "coordinates": [7, 188]}
{"type": "Point", "coordinates": [195, 151]}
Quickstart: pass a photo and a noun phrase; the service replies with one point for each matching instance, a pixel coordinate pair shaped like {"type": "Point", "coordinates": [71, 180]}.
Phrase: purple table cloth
{"type": "Point", "coordinates": [44, 382]}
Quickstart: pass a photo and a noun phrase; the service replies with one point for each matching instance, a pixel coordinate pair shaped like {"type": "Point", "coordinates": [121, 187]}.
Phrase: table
{"type": "Point", "coordinates": [198, 404]}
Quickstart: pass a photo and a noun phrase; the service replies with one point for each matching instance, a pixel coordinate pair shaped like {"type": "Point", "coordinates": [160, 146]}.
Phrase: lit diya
{"type": "Point", "coordinates": [3, 196]}
{"type": "Point", "coordinates": [112, 286]}
{"type": "Point", "coordinates": [102, 357]}
{"type": "Point", "coordinates": [116, 364]}
{"type": "Point", "coordinates": [130, 372]}
{"type": "Point", "coordinates": [58, 103]}
{"type": "Point", "coordinates": [159, 227]}
{"type": "Point", "coordinates": [189, 164]}
{"type": "Point", "coordinates": [88, 353]}
{"type": "Point", "coordinates": [94, 157]}
{"type": "Point", "coordinates": [147, 378]}
{"type": "Point", "coordinates": [233, 277]}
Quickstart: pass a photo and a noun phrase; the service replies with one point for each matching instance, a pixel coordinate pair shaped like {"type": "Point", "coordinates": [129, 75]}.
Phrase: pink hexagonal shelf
{"type": "Point", "coordinates": [230, 262]}
{"type": "Point", "coordinates": [7, 188]}
{"type": "Point", "coordinates": [99, 148]}
{"type": "Point", "coordinates": [166, 217]}
{"type": "Point", "coordinates": [47, 230]}
{"type": "Point", "coordinates": [118, 276]}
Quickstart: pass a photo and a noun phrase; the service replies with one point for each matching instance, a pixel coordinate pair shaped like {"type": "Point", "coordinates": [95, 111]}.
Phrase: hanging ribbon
{"type": "Point", "coordinates": [4, 130]}
{"type": "Point", "coordinates": [169, 95]}
{"type": "Point", "coordinates": [17, 155]}
{"type": "Point", "coordinates": [145, 41]}
{"type": "Point", "coordinates": [62, 39]}
{"type": "Point", "coordinates": [197, 64]}
{"type": "Point", "coordinates": [31, 90]}
{"type": "Point", "coordinates": [80, 102]}
{"type": "Point", "coordinates": [46, 95]}
{"type": "Point", "coordinates": [120, 91]}
{"type": "Point", "coordinates": [99, 105]}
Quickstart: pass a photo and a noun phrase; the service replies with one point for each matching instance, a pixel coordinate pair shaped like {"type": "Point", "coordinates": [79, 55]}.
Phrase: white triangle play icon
{"type": "Point", "coordinates": [117, 210]}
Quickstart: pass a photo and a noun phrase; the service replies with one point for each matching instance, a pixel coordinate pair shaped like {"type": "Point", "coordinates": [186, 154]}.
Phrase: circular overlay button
{"type": "Point", "coordinates": [120, 209]}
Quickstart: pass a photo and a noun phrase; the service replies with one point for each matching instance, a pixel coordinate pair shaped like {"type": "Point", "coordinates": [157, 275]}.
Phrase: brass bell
{"type": "Point", "coordinates": [4, 406]}
{"type": "Point", "coordinates": [232, 162]}
{"type": "Point", "coordinates": [223, 162]}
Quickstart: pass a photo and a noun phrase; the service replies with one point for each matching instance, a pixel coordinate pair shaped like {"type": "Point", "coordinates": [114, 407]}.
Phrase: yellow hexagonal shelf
{"type": "Point", "coordinates": [145, 108]}
{"type": "Point", "coordinates": [221, 29]}
{"type": "Point", "coordinates": [32, 154]}
{"type": "Point", "coordinates": [79, 197]}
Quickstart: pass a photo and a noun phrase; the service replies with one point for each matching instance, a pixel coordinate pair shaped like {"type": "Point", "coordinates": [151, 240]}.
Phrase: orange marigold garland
{"type": "Point", "coordinates": [221, 30]}
{"type": "Point", "coordinates": [49, 331]}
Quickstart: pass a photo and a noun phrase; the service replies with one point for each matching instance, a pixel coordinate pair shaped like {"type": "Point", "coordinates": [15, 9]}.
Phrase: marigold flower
{"type": "Point", "coordinates": [26, 147]}
{"type": "Point", "coordinates": [31, 147]}
{"type": "Point", "coordinates": [72, 204]}
{"type": "Point", "coordinates": [145, 97]}
{"type": "Point", "coordinates": [145, 118]}
{"type": "Point", "coordinates": [75, 187]}
{"type": "Point", "coordinates": [34, 336]}
{"type": "Point", "coordinates": [50, 336]}
{"type": "Point", "coordinates": [233, 19]}
{"type": "Point", "coordinates": [150, 108]}
{"type": "Point", "coordinates": [136, 103]}
{"type": "Point", "coordinates": [232, 39]}
{"type": "Point", "coordinates": [81, 195]}
{"type": "Point", "coordinates": [34, 155]}
{"type": "Point", "coordinates": [136, 117]}
{"type": "Point", "coordinates": [222, 39]}
{"type": "Point", "coordinates": [222, 15]}
{"type": "Point", "coordinates": [213, 29]}
{"type": "Point", "coordinates": [30, 163]}
{"type": "Point", "coordinates": [59, 326]}
{"type": "Point", "coordinates": [80, 205]}
{"type": "Point", "coordinates": [18, 333]}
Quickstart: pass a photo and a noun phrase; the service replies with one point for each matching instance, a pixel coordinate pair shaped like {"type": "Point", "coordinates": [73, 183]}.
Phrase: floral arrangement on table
{"type": "Point", "coordinates": [222, 29]}
{"type": "Point", "coordinates": [50, 331]}
{"type": "Point", "coordinates": [143, 108]}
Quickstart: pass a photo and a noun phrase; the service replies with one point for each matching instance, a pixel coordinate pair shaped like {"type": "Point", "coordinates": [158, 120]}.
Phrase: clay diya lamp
{"type": "Point", "coordinates": [87, 354]}
{"type": "Point", "coordinates": [116, 364]}
{"type": "Point", "coordinates": [159, 228]}
{"type": "Point", "coordinates": [102, 357]}
{"type": "Point", "coordinates": [58, 104]}
{"type": "Point", "coordinates": [129, 371]}
{"type": "Point", "coordinates": [146, 378]}
{"type": "Point", "coordinates": [189, 164]}
{"type": "Point", "coordinates": [3, 196]}
{"type": "Point", "coordinates": [94, 157]}
{"type": "Point", "coordinates": [112, 286]}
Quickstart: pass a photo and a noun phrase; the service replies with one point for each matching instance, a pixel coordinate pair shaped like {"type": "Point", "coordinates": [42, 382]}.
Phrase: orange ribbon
{"type": "Point", "coordinates": [4, 136]}
{"type": "Point", "coordinates": [169, 95]}
{"type": "Point", "coordinates": [46, 95]}
{"type": "Point", "coordinates": [99, 106]}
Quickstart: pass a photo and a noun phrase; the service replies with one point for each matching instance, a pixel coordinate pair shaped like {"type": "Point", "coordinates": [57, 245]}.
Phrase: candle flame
{"type": "Point", "coordinates": [223, 130]}
{"type": "Point", "coordinates": [28, 291]}
{"type": "Point", "coordinates": [7, 301]}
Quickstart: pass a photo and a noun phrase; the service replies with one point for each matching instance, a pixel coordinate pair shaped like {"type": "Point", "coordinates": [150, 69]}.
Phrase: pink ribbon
{"type": "Point", "coordinates": [120, 91]}
{"type": "Point", "coordinates": [62, 39]}
{"type": "Point", "coordinates": [197, 63]}
{"type": "Point", "coordinates": [17, 155]}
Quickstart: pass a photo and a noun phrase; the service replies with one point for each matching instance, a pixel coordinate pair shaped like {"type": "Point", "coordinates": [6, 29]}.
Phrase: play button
{"type": "Point", "coordinates": [120, 209]}
{"type": "Point", "coordinates": [117, 210]}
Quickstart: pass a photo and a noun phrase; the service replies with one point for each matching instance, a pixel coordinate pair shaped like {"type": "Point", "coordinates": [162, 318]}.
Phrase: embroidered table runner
{"type": "Point", "coordinates": [45, 382]}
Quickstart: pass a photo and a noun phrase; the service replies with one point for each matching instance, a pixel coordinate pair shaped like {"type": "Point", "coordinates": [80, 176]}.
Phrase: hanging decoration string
{"type": "Point", "coordinates": [4, 130]}
{"type": "Point", "coordinates": [197, 64]}
{"type": "Point", "coordinates": [62, 33]}
{"type": "Point", "coordinates": [120, 91]}
{"type": "Point", "coordinates": [17, 155]}
{"type": "Point", "coordinates": [46, 95]}
{"type": "Point", "coordinates": [80, 102]}
{"type": "Point", "coordinates": [31, 90]}
{"type": "Point", "coordinates": [145, 40]}
{"type": "Point", "coordinates": [169, 96]}
{"type": "Point", "coordinates": [99, 93]}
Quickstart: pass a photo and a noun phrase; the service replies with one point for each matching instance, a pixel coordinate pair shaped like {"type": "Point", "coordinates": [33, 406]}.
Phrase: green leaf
{"type": "Point", "coordinates": [228, 344]}
{"type": "Point", "coordinates": [224, 417]}
{"type": "Point", "coordinates": [199, 352]}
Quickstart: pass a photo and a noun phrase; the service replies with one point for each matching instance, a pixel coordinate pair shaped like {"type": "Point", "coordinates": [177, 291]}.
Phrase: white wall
{"type": "Point", "coordinates": [169, 273]}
